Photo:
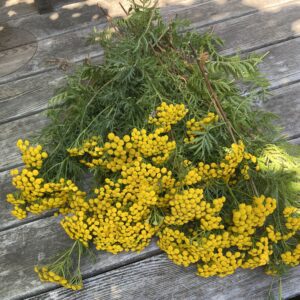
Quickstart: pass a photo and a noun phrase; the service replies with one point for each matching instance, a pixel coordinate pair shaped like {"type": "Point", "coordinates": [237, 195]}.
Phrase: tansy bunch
{"type": "Point", "coordinates": [206, 172]}
{"type": "Point", "coordinates": [151, 188]}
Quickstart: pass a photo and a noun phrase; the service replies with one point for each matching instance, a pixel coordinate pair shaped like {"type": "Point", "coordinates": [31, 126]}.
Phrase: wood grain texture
{"type": "Point", "coordinates": [30, 244]}
{"type": "Point", "coordinates": [71, 47]}
{"type": "Point", "coordinates": [295, 141]}
{"type": "Point", "coordinates": [280, 68]}
{"type": "Point", "coordinates": [87, 13]}
{"type": "Point", "coordinates": [13, 59]}
{"type": "Point", "coordinates": [14, 37]}
{"type": "Point", "coordinates": [247, 32]}
{"type": "Point", "coordinates": [158, 278]}
{"type": "Point", "coordinates": [14, 9]}
{"type": "Point", "coordinates": [63, 20]}
{"type": "Point", "coordinates": [286, 103]}
{"type": "Point", "coordinates": [31, 94]}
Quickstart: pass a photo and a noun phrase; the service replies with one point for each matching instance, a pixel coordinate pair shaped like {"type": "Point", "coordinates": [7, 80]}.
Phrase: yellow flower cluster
{"type": "Point", "coordinates": [178, 247]}
{"type": "Point", "coordinates": [35, 195]}
{"type": "Point", "coordinates": [47, 275]}
{"type": "Point", "coordinates": [167, 115]}
{"type": "Point", "coordinates": [249, 217]}
{"type": "Point", "coordinates": [207, 245]}
{"type": "Point", "coordinates": [258, 255]}
{"type": "Point", "coordinates": [189, 205]}
{"type": "Point", "coordinates": [186, 207]}
{"type": "Point", "coordinates": [77, 228]}
{"type": "Point", "coordinates": [196, 225]}
{"type": "Point", "coordinates": [211, 219]}
{"type": "Point", "coordinates": [276, 236]}
{"type": "Point", "coordinates": [292, 216]}
{"type": "Point", "coordinates": [153, 145]}
{"type": "Point", "coordinates": [221, 264]}
{"type": "Point", "coordinates": [192, 125]}
{"type": "Point", "coordinates": [89, 146]}
{"type": "Point", "coordinates": [31, 156]}
{"type": "Point", "coordinates": [226, 170]}
{"type": "Point", "coordinates": [292, 224]}
{"type": "Point", "coordinates": [118, 219]}
{"type": "Point", "coordinates": [121, 213]}
{"type": "Point", "coordinates": [242, 241]}
{"type": "Point", "coordinates": [117, 151]}
{"type": "Point", "coordinates": [292, 258]}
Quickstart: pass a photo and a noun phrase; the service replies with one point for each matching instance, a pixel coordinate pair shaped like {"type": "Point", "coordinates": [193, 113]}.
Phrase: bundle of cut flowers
{"type": "Point", "coordinates": [176, 149]}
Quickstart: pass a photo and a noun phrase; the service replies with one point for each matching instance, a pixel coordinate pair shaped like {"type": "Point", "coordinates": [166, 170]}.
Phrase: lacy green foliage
{"type": "Point", "coordinates": [148, 61]}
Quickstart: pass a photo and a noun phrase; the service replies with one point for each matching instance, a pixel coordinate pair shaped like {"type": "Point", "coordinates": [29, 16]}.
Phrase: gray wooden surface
{"type": "Point", "coordinates": [245, 25]}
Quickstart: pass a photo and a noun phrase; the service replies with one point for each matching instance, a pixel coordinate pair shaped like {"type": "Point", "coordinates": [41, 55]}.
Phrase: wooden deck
{"type": "Point", "coordinates": [36, 52]}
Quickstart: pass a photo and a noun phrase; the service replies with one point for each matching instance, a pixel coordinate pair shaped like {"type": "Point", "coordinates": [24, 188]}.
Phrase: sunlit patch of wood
{"type": "Point", "coordinates": [271, 5]}
{"type": "Point", "coordinates": [9, 3]}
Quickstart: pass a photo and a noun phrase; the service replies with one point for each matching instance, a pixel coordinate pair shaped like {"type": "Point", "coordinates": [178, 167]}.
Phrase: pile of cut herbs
{"type": "Point", "coordinates": [166, 132]}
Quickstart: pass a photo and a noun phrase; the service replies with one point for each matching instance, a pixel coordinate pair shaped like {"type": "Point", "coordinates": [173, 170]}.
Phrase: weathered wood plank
{"type": "Point", "coordinates": [158, 278]}
{"type": "Point", "coordinates": [14, 37]}
{"type": "Point", "coordinates": [247, 33]}
{"type": "Point", "coordinates": [22, 248]}
{"type": "Point", "coordinates": [13, 9]}
{"type": "Point", "coordinates": [286, 103]}
{"type": "Point", "coordinates": [295, 141]}
{"type": "Point", "coordinates": [280, 68]}
{"type": "Point", "coordinates": [13, 59]}
{"type": "Point", "coordinates": [37, 64]}
{"type": "Point", "coordinates": [85, 13]}
{"type": "Point", "coordinates": [29, 95]}
{"type": "Point", "coordinates": [71, 47]}
{"type": "Point", "coordinates": [77, 15]}
{"type": "Point", "coordinates": [68, 18]}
